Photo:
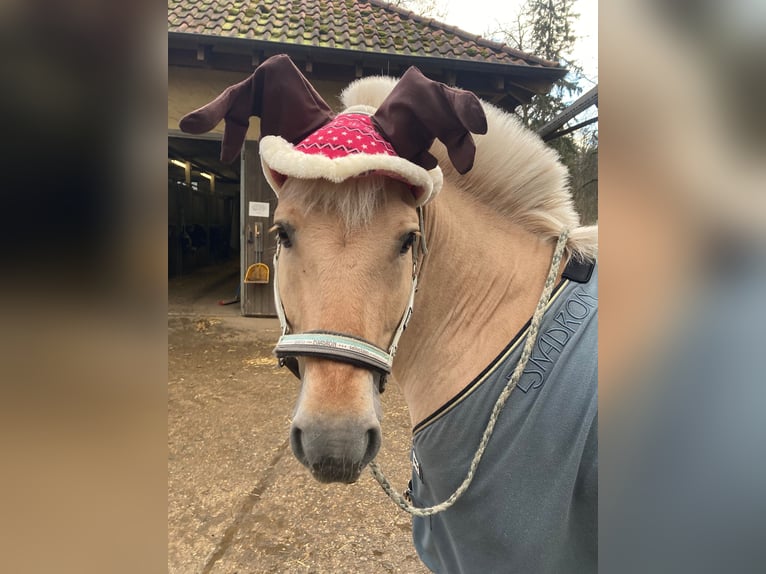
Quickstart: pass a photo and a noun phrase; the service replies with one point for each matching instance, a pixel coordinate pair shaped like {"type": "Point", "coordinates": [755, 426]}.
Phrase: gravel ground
{"type": "Point", "coordinates": [238, 500]}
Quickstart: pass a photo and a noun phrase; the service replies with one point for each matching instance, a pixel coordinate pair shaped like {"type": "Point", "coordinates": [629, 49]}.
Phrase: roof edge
{"type": "Point", "coordinates": [501, 46]}
{"type": "Point", "coordinates": [211, 39]}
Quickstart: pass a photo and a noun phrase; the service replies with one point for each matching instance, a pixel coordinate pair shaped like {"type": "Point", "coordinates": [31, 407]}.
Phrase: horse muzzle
{"type": "Point", "coordinates": [335, 455]}
{"type": "Point", "coordinates": [336, 424]}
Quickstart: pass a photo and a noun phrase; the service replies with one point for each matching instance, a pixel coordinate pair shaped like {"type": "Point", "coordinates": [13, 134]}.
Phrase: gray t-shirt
{"type": "Point", "coordinates": [532, 507]}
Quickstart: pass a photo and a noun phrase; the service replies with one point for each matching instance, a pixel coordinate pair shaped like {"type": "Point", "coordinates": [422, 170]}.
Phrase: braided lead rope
{"type": "Point", "coordinates": [526, 352]}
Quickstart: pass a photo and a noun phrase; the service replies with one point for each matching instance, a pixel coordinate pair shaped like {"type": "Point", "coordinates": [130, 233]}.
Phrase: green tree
{"type": "Point", "coordinates": [546, 29]}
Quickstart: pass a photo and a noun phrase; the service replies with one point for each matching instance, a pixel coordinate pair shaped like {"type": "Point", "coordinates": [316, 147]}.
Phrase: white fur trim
{"type": "Point", "coordinates": [359, 109]}
{"type": "Point", "coordinates": [280, 158]}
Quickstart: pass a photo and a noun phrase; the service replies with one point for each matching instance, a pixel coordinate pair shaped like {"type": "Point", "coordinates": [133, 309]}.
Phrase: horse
{"type": "Point", "coordinates": [434, 251]}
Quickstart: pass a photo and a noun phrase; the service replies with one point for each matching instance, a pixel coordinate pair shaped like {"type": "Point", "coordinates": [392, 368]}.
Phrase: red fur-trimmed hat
{"type": "Point", "coordinates": [302, 138]}
{"type": "Point", "coordinates": [349, 146]}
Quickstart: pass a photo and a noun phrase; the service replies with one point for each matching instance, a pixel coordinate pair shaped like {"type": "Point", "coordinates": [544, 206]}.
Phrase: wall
{"type": "Point", "coordinates": [192, 88]}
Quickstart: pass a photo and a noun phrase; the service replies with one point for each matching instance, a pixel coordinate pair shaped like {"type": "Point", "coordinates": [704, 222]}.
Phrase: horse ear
{"type": "Point", "coordinates": [418, 110]}
{"type": "Point", "coordinates": [276, 92]}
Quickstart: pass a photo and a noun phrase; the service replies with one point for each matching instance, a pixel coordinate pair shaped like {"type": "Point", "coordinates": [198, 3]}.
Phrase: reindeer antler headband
{"type": "Point", "coordinates": [302, 138]}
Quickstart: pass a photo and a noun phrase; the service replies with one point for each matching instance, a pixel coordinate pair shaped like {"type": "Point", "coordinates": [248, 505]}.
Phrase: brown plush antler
{"type": "Point", "coordinates": [276, 92]}
{"type": "Point", "coordinates": [418, 110]}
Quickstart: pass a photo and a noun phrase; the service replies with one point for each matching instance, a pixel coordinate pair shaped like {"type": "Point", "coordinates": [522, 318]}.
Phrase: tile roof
{"type": "Point", "coordinates": [367, 26]}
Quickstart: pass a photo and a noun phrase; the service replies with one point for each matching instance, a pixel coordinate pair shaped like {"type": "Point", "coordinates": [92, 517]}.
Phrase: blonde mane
{"type": "Point", "coordinates": [355, 200]}
{"type": "Point", "coordinates": [514, 172]}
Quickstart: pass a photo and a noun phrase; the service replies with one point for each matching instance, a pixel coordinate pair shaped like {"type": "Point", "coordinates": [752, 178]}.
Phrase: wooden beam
{"type": "Point", "coordinates": [590, 98]}
{"type": "Point", "coordinates": [566, 131]}
{"type": "Point", "coordinates": [497, 99]}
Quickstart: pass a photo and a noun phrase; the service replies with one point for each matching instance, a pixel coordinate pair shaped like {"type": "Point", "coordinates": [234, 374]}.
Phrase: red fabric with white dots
{"type": "Point", "coordinates": [346, 135]}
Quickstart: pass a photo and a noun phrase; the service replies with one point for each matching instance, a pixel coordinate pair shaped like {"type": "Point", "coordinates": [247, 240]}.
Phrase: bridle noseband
{"type": "Point", "coordinates": [341, 346]}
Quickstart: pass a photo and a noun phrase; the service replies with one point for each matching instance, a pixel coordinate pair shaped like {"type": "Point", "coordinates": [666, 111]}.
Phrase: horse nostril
{"type": "Point", "coordinates": [373, 445]}
{"type": "Point", "coordinates": [296, 443]}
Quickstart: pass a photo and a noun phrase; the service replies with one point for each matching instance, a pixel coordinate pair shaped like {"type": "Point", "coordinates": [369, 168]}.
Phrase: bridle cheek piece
{"type": "Point", "coordinates": [342, 347]}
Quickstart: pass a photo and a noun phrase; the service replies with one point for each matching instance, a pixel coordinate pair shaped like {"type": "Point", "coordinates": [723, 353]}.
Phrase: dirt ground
{"type": "Point", "coordinates": [238, 500]}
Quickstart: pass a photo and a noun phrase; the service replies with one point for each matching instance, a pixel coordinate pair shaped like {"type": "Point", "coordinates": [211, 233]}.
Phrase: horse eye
{"type": "Point", "coordinates": [282, 236]}
{"type": "Point", "coordinates": [407, 242]}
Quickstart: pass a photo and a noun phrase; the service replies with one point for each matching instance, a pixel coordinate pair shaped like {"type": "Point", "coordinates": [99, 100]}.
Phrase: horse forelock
{"type": "Point", "coordinates": [355, 201]}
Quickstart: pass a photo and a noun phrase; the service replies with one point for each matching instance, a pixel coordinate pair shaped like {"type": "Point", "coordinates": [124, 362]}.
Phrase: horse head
{"type": "Point", "coordinates": [349, 228]}
{"type": "Point", "coordinates": [342, 273]}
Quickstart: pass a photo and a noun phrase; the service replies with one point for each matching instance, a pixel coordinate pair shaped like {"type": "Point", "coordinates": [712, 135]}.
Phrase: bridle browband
{"type": "Point", "coordinates": [343, 347]}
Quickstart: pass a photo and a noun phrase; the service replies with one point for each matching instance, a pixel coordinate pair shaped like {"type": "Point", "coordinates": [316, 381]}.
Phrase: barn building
{"type": "Point", "coordinates": [218, 212]}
